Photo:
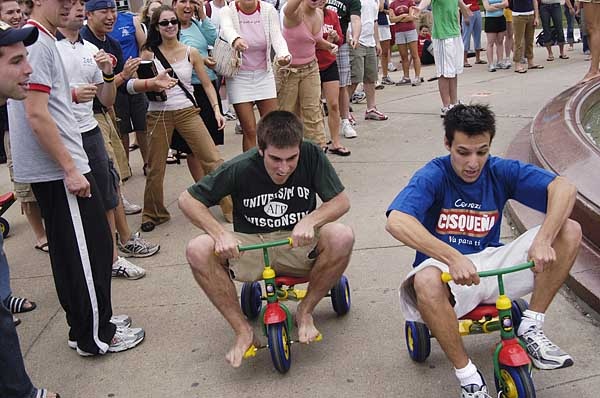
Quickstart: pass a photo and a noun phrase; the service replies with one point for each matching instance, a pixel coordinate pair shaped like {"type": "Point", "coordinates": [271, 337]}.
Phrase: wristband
{"type": "Point", "coordinates": [74, 95]}
{"type": "Point", "coordinates": [130, 87]}
{"type": "Point", "coordinates": [108, 78]}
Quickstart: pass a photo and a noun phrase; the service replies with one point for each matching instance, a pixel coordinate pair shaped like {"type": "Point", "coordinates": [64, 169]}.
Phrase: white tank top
{"type": "Point", "coordinates": [176, 98]}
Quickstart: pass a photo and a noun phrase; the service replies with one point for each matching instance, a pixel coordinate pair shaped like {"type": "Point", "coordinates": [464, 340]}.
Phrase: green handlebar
{"type": "Point", "coordinates": [446, 277]}
{"type": "Point", "coordinates": [265, 245]}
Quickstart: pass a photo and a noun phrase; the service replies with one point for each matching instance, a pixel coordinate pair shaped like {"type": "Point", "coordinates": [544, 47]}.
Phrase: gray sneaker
{"type": "Point", "coordinates": [122, 322]}
{"type": "Point", "coordinates": [129, 207]}
{"type": "Point", "coordinates": [358, 97]}
{"type": "Point", "coordinates": [137, 246]}
{"type": "Point", "coordinates": [127, 338]}
{"type": "Point", "coordinates": [387, 81]}
{"type": "Point", "coordinates": [543, 353]}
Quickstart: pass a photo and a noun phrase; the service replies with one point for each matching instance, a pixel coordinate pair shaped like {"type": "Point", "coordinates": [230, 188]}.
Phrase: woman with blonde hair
{"type": "Point", "coordinates": [252, 27]}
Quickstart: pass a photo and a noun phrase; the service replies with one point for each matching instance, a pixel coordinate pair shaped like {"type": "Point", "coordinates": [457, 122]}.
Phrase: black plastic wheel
{"type": "Point", "coordinates": [4, 227]}
{"type": "Point", "coordinates": [250, 299]}
{"type": "Point", "coordinates": [417, 340]}
{"type": "Point", "coordinates": [518, 307]}
{"type": "Point", "coordinates": [340, 296]}
{"type": "Point", "coordinates": [279, 345]}
{"type": "Point", "coordinates": [516, 381]}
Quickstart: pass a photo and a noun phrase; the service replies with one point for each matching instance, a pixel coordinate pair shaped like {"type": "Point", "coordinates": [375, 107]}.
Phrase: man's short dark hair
{"type": "Point", "coordinates": [281, 129]}
{"type": "Point", "coordinates": [472, 120]}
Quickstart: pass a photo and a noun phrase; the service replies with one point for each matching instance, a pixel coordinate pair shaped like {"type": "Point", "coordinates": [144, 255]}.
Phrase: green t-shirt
{"type": "Point", "coordinates": [445, 19]}
{"type": "Point", "coordinates": [260, 205]}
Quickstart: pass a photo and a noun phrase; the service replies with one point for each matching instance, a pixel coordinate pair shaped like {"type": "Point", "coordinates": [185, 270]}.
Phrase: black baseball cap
{"type": "Point", "coordinates": [9, 35]}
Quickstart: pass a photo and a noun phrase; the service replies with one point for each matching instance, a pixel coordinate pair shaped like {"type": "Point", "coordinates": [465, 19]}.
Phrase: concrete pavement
{"type": "Point", "coordinates": [362, 354]}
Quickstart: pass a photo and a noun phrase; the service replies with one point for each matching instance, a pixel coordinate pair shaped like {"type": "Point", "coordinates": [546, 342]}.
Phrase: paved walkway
{"type": "Point", "coordinates": [362, 354]}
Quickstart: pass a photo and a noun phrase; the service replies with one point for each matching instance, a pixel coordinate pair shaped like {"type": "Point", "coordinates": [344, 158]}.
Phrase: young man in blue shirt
{"type": "Point", "coordinates": [451, 212]}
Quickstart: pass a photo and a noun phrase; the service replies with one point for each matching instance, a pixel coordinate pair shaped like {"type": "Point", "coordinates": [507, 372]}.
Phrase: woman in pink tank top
{"type": "Point", "coordinates": [299, 86]}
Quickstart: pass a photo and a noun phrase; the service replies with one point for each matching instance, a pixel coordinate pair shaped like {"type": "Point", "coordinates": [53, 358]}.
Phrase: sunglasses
{"type": "Point", "coordinates": [166, 23]}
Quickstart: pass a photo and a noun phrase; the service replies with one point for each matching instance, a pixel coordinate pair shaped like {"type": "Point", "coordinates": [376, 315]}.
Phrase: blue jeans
{"type": "Point", "coordinates": [570, 22]}
{"type": "Point", "coordinates": [14, 381]}
{"type": "Point", "coordinates": [472, 29]}
{"type": "Point", "coordinates": [5, 291]}
{"type": "Point", "coordinates": [554, 35]}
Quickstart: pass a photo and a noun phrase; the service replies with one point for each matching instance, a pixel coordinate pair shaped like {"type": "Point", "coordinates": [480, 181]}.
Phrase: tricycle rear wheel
{"type": "Point", "coordinates": [250, 299]}
{"type": "Point", "coordinates": [417, 340]}
{"type": "Point", "coordinates": [340, 296]}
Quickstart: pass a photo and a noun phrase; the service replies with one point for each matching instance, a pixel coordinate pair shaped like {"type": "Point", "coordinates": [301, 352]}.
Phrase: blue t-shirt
{"type": "Point", "coordinates": [497, 13]}
{"type": "Point", "coordinates": [200, 35]}
{"type": "Point", "coordinates": [467, 216]}
{"type": "Point", "coordinates": [124, 32]}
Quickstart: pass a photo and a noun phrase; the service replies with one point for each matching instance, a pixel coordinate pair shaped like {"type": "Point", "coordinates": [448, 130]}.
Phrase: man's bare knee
{"type": "Point", "coordinates": [429, 287]}
{"type": "Point", "coordinates": [338, 238]}
{"type": "Point", "coordinates": [570, 233]}
{"type": "Point", "coordinates": [200, 252]}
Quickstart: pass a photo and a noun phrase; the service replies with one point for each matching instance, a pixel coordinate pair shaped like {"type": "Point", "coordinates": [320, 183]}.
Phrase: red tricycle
{"type": "Point", "coordinates": [512, 366]}
{"type": "Point", "coordinates": [6, 201]}
{"type": "Point", "coordinates": [276, 318]}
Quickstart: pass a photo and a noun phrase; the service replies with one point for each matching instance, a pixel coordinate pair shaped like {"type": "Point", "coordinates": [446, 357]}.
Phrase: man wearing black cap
{"type": "Point", "coordinates": [48, 154]}
{"type": "Point", "coordinates": [14, 381]}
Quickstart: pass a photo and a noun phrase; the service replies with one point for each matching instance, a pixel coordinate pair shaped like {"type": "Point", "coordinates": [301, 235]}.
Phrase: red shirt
{"type": "Point", "coordinates": [403, 26]}
{"type": "Point", "coordinates": [331, 21]}
{"type": "Point", "coordinates": [421, 42]}
{"type": "Point", "coordinates": [473, 4]}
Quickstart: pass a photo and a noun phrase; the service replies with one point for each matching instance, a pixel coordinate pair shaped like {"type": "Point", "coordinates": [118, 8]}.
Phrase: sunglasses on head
{"type": "Point", "coordinates": [166, 23]}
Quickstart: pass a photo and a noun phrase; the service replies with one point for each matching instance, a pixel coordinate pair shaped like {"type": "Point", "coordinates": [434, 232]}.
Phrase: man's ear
{"type": "Point", "coordinates": [261, 153]}
{"type": "Point", "coordinates": [446, 143]}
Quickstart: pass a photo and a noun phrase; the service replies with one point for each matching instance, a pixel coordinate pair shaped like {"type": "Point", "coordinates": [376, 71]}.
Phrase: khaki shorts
{"type": "Point", "coordinates": [23, 191]}
{"type": "Point", "coordinates": [113, 144]}
{"type": "Point", "coordinates": [284, 260]}
{"type": "Point", "coordinates": [363, 64]}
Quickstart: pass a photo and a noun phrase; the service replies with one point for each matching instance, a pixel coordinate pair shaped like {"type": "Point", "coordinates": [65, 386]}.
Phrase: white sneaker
{"type": "Point", "coordinates": [130, 208]}
{"type": "Point", "coordinates": [127, 338]}
{"type": "Point", "coordinates": [544, 353]}
{"type": "Point", "coordinates": [126, 269]}
{"type": "Point", "coordinates": [122, 322]}
{"type": "Point", "coordinates": [475, 390]}
{"type": "Point", "coordinates": [347, 130]}
{"type": "Point", "coordinates": [392, 67]}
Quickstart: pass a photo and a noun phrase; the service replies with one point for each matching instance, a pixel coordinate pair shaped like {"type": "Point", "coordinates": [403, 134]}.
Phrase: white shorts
{"type": "Point", "coordinates": [384, 32]}
{"type": "Point", "coordinates": [249, 86]}
{"type": "Point", "coordinates": [516, 284]}
{"type": "Point", "coordinates": [449, 56]}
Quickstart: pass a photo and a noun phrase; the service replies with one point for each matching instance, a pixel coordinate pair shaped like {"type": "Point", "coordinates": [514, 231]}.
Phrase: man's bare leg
{"type": "Point", "coordinates": [592, 23]}
{"type": "Point", "coordinates": [334, 247]}
{"type": "Point", "coordinates": [546, 285]}
{"type": "Point", "coordinates": [213, 278]}
{"type": "Point", "coordinates": [34, 217]}
{"type": "Point", "coordinates": [444, 88]}
{"type": "Point", "coordinates": [433, 302]}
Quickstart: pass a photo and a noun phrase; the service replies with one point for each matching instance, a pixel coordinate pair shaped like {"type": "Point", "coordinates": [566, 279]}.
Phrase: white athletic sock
{"type": "Point", "coordinates": [468, 375]}
{"type": "Point", "coordinates": [529, 319]}
{"type": "Point", "coordinates": [345, 121]}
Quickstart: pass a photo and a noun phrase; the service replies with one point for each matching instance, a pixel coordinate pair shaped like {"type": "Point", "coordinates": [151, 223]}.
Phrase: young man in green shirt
{"type": "Point", "coordinates": [447, 46]}
{"type": "Point", "coordinates": [273, 188]}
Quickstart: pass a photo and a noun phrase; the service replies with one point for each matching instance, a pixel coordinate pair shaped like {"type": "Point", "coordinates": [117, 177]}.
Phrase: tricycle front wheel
{"type": "Point", "coordinates": [516, 382]}
{"type": "Point", "coordinates": [279, 345]}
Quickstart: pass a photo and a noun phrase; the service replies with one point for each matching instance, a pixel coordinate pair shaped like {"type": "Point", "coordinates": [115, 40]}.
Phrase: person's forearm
{"type": "Point", "coordinates": [199, 215]}
{"type": "Point", "coordinates": [356, 27]}
{"type": "Point", "coordinates": [412, 233]}
{"type": "Point", "coordinates": [330, 211]}
{"type": "Point", "coordinates": [211, 94]}
{"type": "Point", "coordinates": [48, 136]}
{"type": "Point", "coordinates": [107, 93]}
{"type": "Point", "coordinates": [536, 9]}
{"type": "Point", "coordinates": [561, 200]}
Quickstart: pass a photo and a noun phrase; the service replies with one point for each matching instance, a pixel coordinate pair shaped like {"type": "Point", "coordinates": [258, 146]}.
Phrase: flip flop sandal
{"type": "Point", "coordinates": [16, 305]}
{"type": "Point", "coordinates": [43, 393]}
{"type": "Point", "coordinates": [520, 70]}
{"type": "Point", "coordinates": [563, 56]}
{"type": "Point", "coordinates": [481, 62]}
{"type": "Point", "coordinates": [538, 66]}
{"type": "Point", "coordinates": [340, 151]}
{"type": "Point", "coordinates": [43, 247]}
{"type": "Point", "coordinates": [550, 59]}
{"type": "Point", "coordinates": [467, 65]}
{"type": "Point", "coordinates": [172, 159]}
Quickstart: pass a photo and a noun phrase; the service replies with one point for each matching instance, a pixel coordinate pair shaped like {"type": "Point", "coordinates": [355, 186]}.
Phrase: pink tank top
{"type": "Point", "coordinates": [252, 30]}
{"type": "Point", "coordinates": [301, 43]}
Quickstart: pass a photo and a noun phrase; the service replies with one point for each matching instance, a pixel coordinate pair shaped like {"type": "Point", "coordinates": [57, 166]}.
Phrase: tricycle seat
{"type": "Point", "coordinates": [290, 280]}
{"type": "Point", "coordinates": [482, 311]}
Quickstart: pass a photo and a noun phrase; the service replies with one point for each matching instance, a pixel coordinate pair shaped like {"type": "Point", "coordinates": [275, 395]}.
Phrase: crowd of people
{"type": "Point", "coordinates": [94, 76]}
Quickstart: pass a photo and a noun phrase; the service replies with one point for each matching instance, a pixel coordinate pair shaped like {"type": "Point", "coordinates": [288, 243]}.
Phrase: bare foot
{"type": "Point", "coordinates": [243, 341]}
{"type": "Point", "coordinates": [589, 76]}
{"type": "Point", "coordinates": [307, 332]}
